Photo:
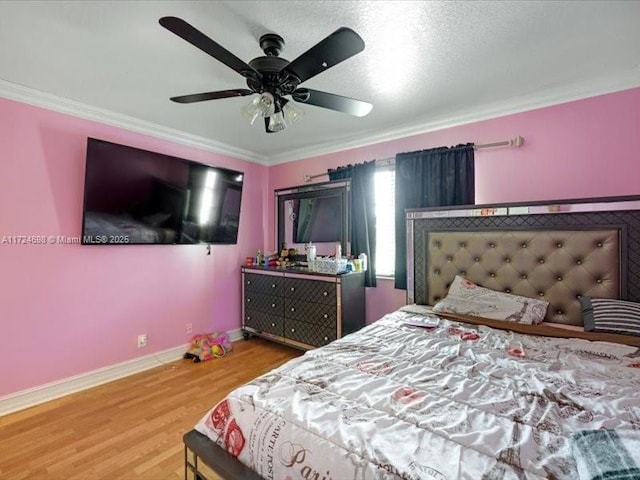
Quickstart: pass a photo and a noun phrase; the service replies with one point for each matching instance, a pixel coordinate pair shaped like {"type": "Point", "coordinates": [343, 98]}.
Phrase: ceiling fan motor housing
{"type": "Point", "coordinates": [274, 78]}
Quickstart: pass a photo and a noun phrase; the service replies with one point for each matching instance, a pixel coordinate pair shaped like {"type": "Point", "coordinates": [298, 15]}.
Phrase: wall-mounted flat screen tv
{"type": "Point", "coordinates": [134, 196]}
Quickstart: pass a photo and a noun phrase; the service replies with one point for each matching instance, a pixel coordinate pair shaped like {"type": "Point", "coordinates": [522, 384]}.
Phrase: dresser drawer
{"type": "Point", "coordinates": [322, 314]}
{"type": "Point", "coordinates": [264, 303]}
{"type": "Point", "coordinates": [308, 333]}
{"type": "Point", "coordinates": [310, 290]}
{"type": "Point", "coordinates": [265, 322]}
{"type": "Point", "coordinates": [263, 283]}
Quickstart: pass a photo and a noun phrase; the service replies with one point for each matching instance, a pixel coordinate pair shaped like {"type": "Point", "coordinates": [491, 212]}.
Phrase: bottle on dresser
{"type": "Point", "coordinates": [363, 260]}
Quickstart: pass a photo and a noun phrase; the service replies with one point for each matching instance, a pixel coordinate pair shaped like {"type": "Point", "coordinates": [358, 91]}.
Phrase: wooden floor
{"type": "Point", "coordinates": [131, 428]}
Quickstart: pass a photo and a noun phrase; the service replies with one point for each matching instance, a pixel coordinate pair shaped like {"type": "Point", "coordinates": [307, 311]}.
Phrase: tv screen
{"type": "Point", "coordinates": [134, 196]}
{"type": "Point", "coordinates": [317, 219]}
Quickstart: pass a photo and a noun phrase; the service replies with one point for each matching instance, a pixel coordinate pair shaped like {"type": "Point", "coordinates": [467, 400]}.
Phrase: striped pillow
{"type": "Point", "coordinates": [609, 315]}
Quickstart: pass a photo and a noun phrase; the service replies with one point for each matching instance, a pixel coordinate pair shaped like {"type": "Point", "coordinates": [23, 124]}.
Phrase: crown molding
{"type": "Point", "coordinates": [49, 101]}
{"type": "Point", "coordinates": [546, 98]}
{"type": "Point", "coordinates": [549, 97]}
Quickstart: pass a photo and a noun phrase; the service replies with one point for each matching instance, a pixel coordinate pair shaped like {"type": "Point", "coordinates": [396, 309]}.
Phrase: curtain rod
{"type": "Point", "coordinates": [517, 141]}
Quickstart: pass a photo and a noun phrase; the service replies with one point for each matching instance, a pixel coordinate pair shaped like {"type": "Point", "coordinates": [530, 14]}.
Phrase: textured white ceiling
{"type": "Point", "coordinates": [424, 64]}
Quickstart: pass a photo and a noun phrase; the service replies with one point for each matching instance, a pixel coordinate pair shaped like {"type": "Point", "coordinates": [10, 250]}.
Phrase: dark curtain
{"type": "Point", "coordinates": [429, 178]}
{"type": "Point", "coordinates": [361, 213]}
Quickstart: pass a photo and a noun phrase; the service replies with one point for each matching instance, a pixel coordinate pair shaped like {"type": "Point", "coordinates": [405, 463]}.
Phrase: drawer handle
{"type": "Point", "coordinates": [273, 324]}
{"type": "Point", "coordinates": [248, 282]}
{"type": "Point", "coordinates": [248, 300]}
{"type": "Point", "coordinates": [273, 305]}
{"type": "Point", "coordinates": [326, 338]}
{"type": "Point", "coordinates": [293, 330]}
{"type": "Point", "coordinates": [326, 316]}
{"type": "Point", "coordinates": [293, 289]}
{"type": "Point", "coordinates": [325, 294]}
{"type": "Point", "coordinates": [248, 317]}
{"type": "Point", "coordinates": [273, 285]}
{"type": "Point", "coordinates": [293, 309]}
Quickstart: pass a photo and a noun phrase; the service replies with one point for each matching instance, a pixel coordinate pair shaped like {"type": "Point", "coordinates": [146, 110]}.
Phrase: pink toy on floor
{"type": "Point", "coordinates": [205, 346]}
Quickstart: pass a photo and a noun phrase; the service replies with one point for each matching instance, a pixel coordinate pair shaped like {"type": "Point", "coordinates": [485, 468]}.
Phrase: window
{"type": "Point", "coordinates": [385, 189]}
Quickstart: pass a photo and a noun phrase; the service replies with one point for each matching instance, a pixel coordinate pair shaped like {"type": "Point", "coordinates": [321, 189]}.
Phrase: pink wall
{"type": "Point", "coordinates": [587, 148]}
{"type": "Point", "coordinates": [68, 309]}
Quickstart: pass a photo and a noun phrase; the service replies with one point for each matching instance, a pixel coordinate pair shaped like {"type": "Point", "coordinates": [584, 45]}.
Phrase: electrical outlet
{"type": "Point", "coordinates": [142, 340]}
{"type": "Point", "coordinates": [188, 328]}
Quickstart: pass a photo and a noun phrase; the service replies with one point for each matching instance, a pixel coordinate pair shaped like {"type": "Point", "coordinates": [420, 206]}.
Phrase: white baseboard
{"type": "Point", "coordinates": [50, 391]}
{"type": "Point", "coordinates": [235, 335]}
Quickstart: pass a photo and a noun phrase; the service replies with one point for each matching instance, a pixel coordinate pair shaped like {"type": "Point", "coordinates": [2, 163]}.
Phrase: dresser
{"type": "Point", "coordinates": [300, 308]}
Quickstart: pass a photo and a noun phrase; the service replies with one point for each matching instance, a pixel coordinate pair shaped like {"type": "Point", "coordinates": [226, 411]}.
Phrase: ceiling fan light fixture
{"type": "Point", "coordinates": [292, 114]}
{"type": "Point", "coordinates": [267, 104]}
{"type": "Point", "coordinates": [251, 111]}
{"type": "Point", "coordinates": [276, 121]}
{"type": "Point", "coordinates": [262, 106]}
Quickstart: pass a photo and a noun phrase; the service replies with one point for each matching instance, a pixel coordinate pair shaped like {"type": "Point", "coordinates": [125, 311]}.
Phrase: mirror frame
{"type": "Point", "coordinates": [341, 187]}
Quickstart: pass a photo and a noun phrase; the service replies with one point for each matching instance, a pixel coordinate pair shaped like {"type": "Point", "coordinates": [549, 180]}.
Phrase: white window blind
{"type": "Point", "coordinates": [385, 186]}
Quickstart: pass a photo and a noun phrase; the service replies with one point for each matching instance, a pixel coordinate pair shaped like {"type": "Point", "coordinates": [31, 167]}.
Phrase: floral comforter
{"type": "Point", "coordinates": [456, 401]}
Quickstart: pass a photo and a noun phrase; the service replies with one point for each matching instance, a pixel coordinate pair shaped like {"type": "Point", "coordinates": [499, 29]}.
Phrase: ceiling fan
{"type": "Point", "coordinates": [273, 78]}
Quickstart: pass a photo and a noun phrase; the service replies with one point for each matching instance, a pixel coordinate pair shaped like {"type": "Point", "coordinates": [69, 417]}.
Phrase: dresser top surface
{"type": "Point", "coordinates": [297, 270]}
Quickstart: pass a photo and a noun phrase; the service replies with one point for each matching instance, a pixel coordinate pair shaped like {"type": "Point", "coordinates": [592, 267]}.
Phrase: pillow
{"type": "Point", "coordinates": [609, 315]}
{"type": "Point", "coordinates": [467, 298]}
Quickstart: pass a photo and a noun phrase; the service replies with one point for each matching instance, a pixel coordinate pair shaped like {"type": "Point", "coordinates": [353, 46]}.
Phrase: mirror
{"type": "Point", "coordinates": [317, 213]}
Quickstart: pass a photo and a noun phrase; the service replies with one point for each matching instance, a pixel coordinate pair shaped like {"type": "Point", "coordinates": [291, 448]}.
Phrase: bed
{"type": "Point", "coordinates": [459, 396]}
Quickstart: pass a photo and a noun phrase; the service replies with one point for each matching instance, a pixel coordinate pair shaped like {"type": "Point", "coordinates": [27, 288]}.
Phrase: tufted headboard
{"type": "Point", "coordinates": [558, 252]}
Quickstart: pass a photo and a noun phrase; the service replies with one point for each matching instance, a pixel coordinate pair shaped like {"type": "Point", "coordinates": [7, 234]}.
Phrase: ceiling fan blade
{"type": "Point", "coordinates": [354, 107]}
{"type": "Point", "coordinates": [198, 39]}
{"type": "Point", "coordinates": [337, 47]}
{"type": "Point", "coordinates": [201, 97]}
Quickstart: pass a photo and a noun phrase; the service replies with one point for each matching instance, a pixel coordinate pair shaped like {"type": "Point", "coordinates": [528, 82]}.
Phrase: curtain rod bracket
{"type": "Point", "coordinates": [516, 142]}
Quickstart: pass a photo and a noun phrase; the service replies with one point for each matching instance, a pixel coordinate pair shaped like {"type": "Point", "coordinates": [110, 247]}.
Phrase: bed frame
{"type": "Point", "coordinates": [199, 449]}
{"type": "Point", "coordinates": [556, 250]}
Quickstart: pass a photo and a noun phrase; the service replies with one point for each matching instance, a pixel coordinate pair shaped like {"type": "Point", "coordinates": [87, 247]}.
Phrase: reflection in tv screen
{"type": "Point", "coordinates": [134, 196]}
